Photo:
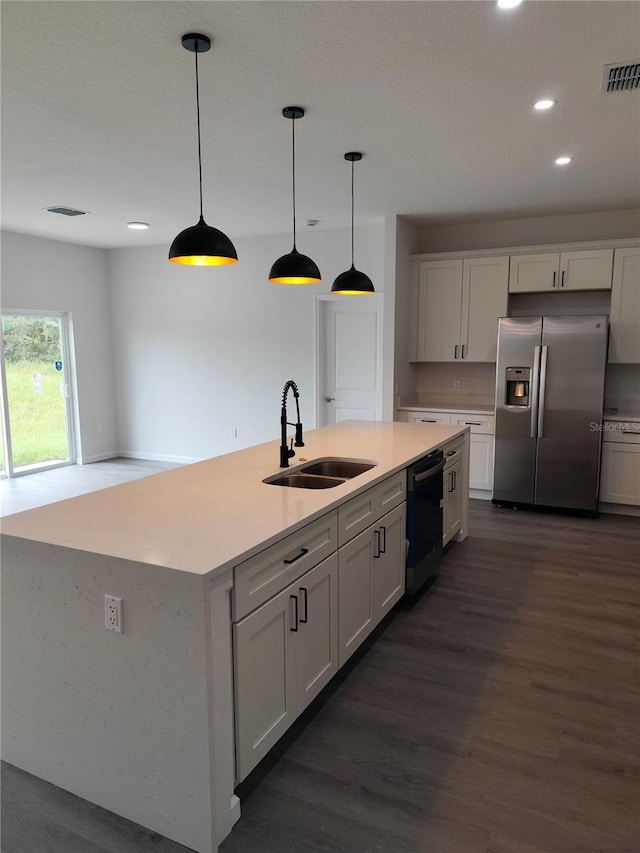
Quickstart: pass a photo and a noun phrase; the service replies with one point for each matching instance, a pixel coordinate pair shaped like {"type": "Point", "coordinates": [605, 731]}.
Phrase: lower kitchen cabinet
{"type": "Point", "coordinates": [285, 652]}
{"type": "Point", "coordinates": [481, 462]}
{"type": "Point", "coordinates": [371, 578]}
{"type": "Point", "coordinates": [452, 501]}
{"type": "Point", "coordinates": [620, 473]}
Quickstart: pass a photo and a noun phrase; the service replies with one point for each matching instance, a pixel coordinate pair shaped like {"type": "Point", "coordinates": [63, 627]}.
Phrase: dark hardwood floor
{"type": "Point", "coordinates": [498, 714]}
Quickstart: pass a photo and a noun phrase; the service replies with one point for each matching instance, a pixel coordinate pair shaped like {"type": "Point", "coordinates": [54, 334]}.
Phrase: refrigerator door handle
{"type": "Point", "coordinates": [535, 376]}
{"type": "Point", "coordinates": [543, 387]}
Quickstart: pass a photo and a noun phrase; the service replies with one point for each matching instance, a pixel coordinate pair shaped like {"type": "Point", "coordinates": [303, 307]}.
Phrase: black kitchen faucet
{"type": "Point", "coordinates": [287, 452]}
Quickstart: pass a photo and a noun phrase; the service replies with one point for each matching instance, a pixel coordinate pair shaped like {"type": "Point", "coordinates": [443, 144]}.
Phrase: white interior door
{"type": "Point", "coordinates": [350, 338]}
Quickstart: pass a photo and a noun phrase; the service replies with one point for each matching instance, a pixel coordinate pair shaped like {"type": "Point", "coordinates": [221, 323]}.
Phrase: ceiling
{"type": "Point", "coordinates": [98, 113]}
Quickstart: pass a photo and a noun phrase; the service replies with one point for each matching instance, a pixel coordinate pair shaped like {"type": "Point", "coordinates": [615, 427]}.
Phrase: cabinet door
{"type": "Point", "coordinates": [389, 566]}
{"type": "Point", "coordinates": [452, 501]}
{"type": "Point", "coordinates": [530, 273]}
{"type": "Point", "coordinates": [264, 672]}
{"type": "Point", "coordinates": [316, 642]}
{"type": "Point", "coordinates": [586, 270]}
{"type": "Point", "coordinates": [620, 473]}
{"type": "Point", "coordinates": [624, 336]}
{"type": "Point", "coordinates": [355, 564]}
{"type": "Point", "coordinates": [481, 462]}
{"type": "Point", "coordinates": [439, 310]}
{"type": "Point", "coordinates": [485, 291]}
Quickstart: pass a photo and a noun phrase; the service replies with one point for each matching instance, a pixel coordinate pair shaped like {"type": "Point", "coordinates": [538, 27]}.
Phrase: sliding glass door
{"type": "Point", "coordinates": [36, 393]}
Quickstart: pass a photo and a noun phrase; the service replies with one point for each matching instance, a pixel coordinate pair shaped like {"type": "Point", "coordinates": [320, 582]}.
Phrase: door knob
{"type": "Point", "coordinates": [329, 399]}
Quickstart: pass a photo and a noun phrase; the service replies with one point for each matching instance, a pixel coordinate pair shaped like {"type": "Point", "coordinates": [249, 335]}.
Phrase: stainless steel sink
{"type": "Point", "coordinates": [320, 473]}
{"type": "Point", "coordinates": [305, 481]}
{"type": "Point", "coordinates": [345, 468]}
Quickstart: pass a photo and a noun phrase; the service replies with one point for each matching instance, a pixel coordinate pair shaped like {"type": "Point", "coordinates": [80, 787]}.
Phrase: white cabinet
{"type": "Point", "coordinates": [452, 501]}
{"type": "Point", "coordinates": [581, 270]}
{"type": "Point", "coordinates": [624, 335]}
{"type": "Point", "coordinates": [620, 467]}
{"type": "Point", "coordinates": [285, 652]}
{"type": "Point", "coordinates": [371, 578]}
{"type": "Point", "coordinates": [430, 417]}
{"type": "Point", "coordinates": [455, 308]}
{"type": "Point", "coordinates": [481, 462]}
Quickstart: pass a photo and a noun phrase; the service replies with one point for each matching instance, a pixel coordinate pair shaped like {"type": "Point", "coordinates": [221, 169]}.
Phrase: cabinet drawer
{"type": "Point", "coordinates": [430, 417]}
{"type": "Point", "coordinates": [622, 432]}
{"type": "Point", "coordinates": [263, 576]}
{"type": "Point", "coordinates": [478, 423]}
{"type": "Point", "coordinates": [359, 513]}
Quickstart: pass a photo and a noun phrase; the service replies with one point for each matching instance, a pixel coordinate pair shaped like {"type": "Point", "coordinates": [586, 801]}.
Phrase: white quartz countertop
{"type": "Point", "coordinates": [467, 410]}
{"type": "Point", "coordinates": [209, 515]}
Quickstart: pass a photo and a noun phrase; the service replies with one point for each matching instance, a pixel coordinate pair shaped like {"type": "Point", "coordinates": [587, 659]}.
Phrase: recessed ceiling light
{"type": "Point", "coordinates": [544, 104]}
{"type": "Point", "coordinates": [562, 161]}
{"type": "Point", "coordinates": [509, 4]}
{"type": "Point", "coordinates": [138, 226]}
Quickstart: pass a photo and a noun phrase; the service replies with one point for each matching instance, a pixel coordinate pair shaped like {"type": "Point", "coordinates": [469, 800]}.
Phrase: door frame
{"type": "Point", "coordinates": [364, 300]}
{"type": "Point", "coordinates": [69, 399]}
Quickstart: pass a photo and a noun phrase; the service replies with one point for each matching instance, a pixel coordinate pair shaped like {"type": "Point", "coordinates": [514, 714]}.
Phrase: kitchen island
{"type": "Point", "coordinates": [142, 722]}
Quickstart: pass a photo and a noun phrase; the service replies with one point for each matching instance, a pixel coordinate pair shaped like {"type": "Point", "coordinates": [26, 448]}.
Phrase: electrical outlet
{"type": "Point", "coordinates": [113, 613]}
{"type": "Point", "coordinates": [98, 427]}
{"type": "Point", "coordinates": [234, 432]}
{"type": "Point", "coordinates": [456, 384]}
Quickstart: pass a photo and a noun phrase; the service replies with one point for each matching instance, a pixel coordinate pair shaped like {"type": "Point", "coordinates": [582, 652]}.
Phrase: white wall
{"type": "Point", "coordinates": [607, 225]}
{"type": "Point", "coordinates": [406, 236]}
{"type": "Point", "coordinates": [47, 275]}
{"type": "Point", "coordinates": [198, 352]}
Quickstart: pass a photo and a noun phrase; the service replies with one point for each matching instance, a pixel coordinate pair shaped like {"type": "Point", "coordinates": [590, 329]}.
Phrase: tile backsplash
{"type": "Point", "coordinates": [622, 388]}
{"type": "Point", "coordinates": [436, 384]}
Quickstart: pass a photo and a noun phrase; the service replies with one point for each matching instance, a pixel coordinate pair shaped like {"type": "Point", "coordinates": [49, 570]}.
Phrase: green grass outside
{"type": "Point", "coordinates": [38, 421]}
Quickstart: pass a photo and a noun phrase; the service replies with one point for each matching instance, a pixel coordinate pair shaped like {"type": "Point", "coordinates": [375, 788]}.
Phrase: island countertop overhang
{"type": "Point", "coordinates": [205, 517]}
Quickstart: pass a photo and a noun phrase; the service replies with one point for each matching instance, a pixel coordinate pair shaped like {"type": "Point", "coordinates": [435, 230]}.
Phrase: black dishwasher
{"type": "Point", "coordinates": [424, 519]}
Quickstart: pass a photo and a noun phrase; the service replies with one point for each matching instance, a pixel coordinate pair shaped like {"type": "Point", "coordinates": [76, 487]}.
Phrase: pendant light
{"type": "Point", "coordinates": [201, 245]}
{"type": "Point", "coordinates": [352, 282]}
{"type": "Point", "coordinates": [294, 268]}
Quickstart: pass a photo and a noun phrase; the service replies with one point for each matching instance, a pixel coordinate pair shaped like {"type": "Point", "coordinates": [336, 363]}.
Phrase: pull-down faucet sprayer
{"type": "Point", "coordinates": [285, 452]}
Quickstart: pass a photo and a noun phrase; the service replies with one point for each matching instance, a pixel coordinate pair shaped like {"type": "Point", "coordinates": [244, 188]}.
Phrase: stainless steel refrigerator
{"type": "Point", "coordinates": [549, 398]}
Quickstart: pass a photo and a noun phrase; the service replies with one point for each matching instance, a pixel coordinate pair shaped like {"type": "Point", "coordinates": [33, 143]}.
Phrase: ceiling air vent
{"type": "Point", "coordinates": [621, 77]}
{"type": "Point", "coordinates": [66, 211]}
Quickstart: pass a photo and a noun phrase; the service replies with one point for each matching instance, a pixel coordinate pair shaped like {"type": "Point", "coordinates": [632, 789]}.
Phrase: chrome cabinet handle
{"type": "Point", "coordinates": [306, 605]}
{"type": "Point", "coordinates": [329, 399]}
{"type": "Point", "coordinates": [543, 386]}
{"type": "Point", "coordinates": [295, 612]}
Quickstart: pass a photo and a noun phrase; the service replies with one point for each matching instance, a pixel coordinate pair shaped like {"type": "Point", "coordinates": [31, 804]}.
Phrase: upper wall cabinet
{"type": "Point", "coordinates": [582, 270]}
{"type": "Point", "coordinates": [624, 336]}
{"type": "Point", "coordinates": [455, 308]}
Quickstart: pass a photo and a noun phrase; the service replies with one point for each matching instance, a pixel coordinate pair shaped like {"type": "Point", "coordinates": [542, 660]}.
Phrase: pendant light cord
{"type": "Point", "coordinates": [293, 175]}
{"type": "Point", "coordinates": [199, 144]}
{"type": "Point", "coordinates": [352, 204]}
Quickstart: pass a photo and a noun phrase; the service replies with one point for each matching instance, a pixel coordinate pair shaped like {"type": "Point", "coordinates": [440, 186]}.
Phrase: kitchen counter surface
{"type": "Point", "coordinates": [432, 407]}
{"type": "Point", "coordinates": [210, 515]}
{"type": "Point", "coordinates": [622, 416]}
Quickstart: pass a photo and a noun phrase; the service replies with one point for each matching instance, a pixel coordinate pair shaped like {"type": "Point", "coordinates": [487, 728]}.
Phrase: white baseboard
{"type": "Point", "coordinates": [160, 457]}
{"type": "Point", "coordinates": [619, 509]}
{"type": "Point", "coordinates": [481, 494]}
{"type": "Point", "coordinates": [97, 457]}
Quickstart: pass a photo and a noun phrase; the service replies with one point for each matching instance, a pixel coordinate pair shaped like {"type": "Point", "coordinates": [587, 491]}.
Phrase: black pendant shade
{"type": "Point", "coordinates": [201, 245]}
{"type": "Point", "coordinates": [294, 268]}
{"type": "Point", "coordinates": [352, 282]}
